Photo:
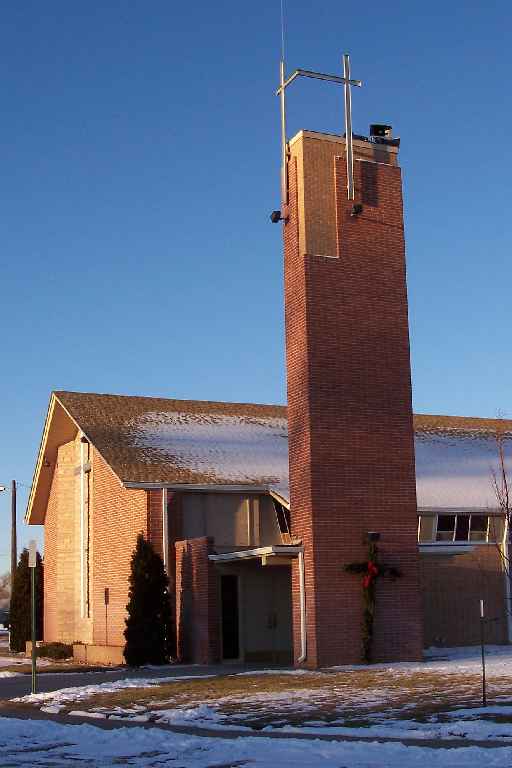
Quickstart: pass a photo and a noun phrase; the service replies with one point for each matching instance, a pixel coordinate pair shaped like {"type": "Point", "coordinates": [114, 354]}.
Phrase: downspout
{"type": "Point", "coordinates": [302, 596]}
{"type": "Point", "coordinates": [165, 531]}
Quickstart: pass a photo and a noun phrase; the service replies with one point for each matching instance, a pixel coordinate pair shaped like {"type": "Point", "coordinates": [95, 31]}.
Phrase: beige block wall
{"type": "Point", "coordinates": [63, 620]}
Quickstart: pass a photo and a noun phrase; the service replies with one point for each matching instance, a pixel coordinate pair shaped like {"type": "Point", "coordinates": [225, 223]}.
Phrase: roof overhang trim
{"type": "Point", "coordinates": [251, 554]}
{"type": "Point", "coordinates": [281, 499]}
{"type": "Point", "coordinates": [210, 488]}
{"type": "Point", "coordinates": [214, 487]}
{"type": "Point", "coordinates": [59, 428]}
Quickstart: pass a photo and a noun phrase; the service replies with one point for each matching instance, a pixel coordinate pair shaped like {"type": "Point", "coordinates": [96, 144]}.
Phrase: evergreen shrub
{"type": "Point", "coordinates": [20, 616]}
{"type": "Point", "coordinates": [149, 629]}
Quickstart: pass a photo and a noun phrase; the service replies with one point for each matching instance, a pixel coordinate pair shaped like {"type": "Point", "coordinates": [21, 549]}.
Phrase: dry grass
{"type": "Point", "coordinates": [351, 697]}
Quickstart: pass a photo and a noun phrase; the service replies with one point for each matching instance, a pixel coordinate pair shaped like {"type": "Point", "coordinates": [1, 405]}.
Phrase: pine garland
{"type": "Point", "coordinates": [371, 570]}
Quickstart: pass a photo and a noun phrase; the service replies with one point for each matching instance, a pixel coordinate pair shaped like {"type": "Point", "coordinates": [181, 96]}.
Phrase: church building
{"type": "Point", "coordinates": [257, 510]}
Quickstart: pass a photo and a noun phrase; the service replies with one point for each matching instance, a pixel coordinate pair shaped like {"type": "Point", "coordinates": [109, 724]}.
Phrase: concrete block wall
{"type": "Point", "coordinates": [63, 621]}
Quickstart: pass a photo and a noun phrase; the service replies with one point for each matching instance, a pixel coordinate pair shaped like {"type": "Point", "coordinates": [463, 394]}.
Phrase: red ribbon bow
{"type": "Point", "coordinates": [373, 571]}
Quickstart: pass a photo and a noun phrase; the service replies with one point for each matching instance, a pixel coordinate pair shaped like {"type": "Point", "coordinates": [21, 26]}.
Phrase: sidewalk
{"type": "Point", "coordinates": [109, 724]}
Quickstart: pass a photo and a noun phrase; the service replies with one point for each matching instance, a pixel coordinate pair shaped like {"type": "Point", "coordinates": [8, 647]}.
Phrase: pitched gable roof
{"type": "Point", "coordinates": [150, 439]}
{"type": "Point", "coordinates": [164, 441]}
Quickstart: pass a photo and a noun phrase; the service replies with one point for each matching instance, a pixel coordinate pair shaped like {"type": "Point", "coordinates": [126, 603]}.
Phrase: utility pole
{"type": "Point", "coordinates": [32, 564]}
{"type": "Point", "coordinates": [14, 546]}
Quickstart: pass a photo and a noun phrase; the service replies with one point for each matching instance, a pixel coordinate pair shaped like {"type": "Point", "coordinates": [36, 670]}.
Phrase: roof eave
{"type": "Point", "coordinates": [31, 518]}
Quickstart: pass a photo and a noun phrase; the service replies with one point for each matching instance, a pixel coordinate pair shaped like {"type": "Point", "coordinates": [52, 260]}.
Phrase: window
{"type": "Point", "coordinates": [460, 528]}
{"type": "Point", "coordinates": [479, 528]}
{"type": "Point", "coordinates": [283, 517]}
{"type": "Point", "coordinates": [446, 527]}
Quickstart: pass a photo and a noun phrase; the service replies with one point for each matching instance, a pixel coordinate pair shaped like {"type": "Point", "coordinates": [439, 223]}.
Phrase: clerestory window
{"type": "Point", "coordinates": [459, 528]}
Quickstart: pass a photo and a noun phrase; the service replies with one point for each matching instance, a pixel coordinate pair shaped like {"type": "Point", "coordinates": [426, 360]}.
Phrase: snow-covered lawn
{"type": "Point", "coordinates": [52, 745]}
{"type": "Point", "coordinates": [436, 699]}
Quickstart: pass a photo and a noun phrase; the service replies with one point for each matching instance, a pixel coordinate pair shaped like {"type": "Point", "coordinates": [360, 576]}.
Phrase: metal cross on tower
{"type": "Point", "coordinates": [347, 83]}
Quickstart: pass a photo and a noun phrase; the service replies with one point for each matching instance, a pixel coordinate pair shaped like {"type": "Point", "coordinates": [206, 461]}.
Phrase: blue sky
{"type": "Point", "coordinates": [140, 160]}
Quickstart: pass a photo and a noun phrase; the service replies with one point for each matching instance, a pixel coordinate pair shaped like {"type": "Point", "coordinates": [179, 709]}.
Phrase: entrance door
{"type": "Point", "coordinates": [229, 602]}
{"type": "Point", "coordinates": [267, 614]}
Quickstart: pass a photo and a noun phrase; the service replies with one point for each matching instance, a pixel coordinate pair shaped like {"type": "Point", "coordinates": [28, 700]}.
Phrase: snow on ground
{"type": "Point", "coordinates": [18, 660]}
{"type": "Point", "coordinates": [438, 699]}
{"type": "Point", "coordinates": [81, 692]}
{"type": "Point", "coordinates": [451, 661]}
{"type": "Point", "coordinates": [9, 660]}
{"type": "Point", "coordinates": [51, 745]}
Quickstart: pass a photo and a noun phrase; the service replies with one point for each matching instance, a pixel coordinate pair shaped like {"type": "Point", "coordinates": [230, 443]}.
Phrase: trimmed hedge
{"type": "Point", "coordinates": [56, 651]}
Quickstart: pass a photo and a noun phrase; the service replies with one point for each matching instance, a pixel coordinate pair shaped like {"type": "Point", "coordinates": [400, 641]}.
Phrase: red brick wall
{"type": "Point", "coordinates": [197, 609]}
{"type": "Point", "coordinates": [174, 532]}
{"type": "Point", "coordinates": [452, 587]}
{"type": "Point", "coordinates": [350, 415]}
{"type": "Point", "coordinates": [155, 521]}
{"type": "Point", "coordinates": [119, 515]}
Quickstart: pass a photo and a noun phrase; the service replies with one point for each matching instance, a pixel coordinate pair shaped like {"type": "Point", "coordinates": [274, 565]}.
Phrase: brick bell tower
{"type": "Point", "coordinates": [352, 467]}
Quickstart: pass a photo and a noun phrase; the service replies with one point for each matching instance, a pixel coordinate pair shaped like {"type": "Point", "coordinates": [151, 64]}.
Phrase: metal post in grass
{"type": "Point", "coordinates": [32, 562]}
{"type": "Point", "coordinates": [482, 645]}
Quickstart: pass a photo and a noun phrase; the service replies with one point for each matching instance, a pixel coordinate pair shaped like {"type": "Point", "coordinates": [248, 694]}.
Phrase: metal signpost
{"type": "Point", "coordinates": [14, 549]}
{"type": "Point", "coordinates": [32, 562]}
{"type": "Point", "coordinates": [482, 644]}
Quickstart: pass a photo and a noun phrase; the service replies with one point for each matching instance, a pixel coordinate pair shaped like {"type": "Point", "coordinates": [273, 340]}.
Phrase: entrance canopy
{"type": "Point", "coordinates": [276, 554]}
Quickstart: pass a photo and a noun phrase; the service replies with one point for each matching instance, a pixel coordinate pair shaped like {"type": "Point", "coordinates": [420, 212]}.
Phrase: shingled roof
{"type": "Point", "coordinates": [148, 440]}
{"type": "Point", "coordinates": [157, 440]}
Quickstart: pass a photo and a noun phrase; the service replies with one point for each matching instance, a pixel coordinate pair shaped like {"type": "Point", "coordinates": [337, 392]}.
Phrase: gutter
{"type": "Point", "coordinates": [212, 487]}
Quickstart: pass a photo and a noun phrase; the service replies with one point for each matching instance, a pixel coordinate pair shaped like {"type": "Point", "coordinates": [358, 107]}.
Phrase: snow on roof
{"type": "Point", "coordinates": [160, 440]}
{"type": "Point", "coordinates": [230, 449]}
{"type": "Point", "coordinates": [454, 469]}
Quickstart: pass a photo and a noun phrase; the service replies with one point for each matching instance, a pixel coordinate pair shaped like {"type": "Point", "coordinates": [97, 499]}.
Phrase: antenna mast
{"type": "Point", "coordinates": [347, 83]}
{"type": "Point", "coordinates": [284, 148]}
